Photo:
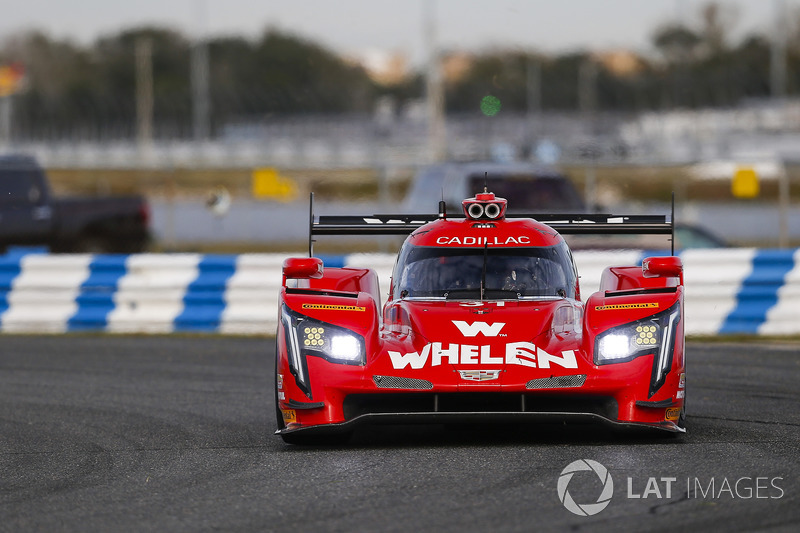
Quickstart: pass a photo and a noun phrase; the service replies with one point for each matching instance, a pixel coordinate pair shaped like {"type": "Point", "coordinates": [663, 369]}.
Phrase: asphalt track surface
{"type": "Point", "coordinates": [114, 433]}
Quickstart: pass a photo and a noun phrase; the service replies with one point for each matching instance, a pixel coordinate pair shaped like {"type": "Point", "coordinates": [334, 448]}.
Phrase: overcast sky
{"type": "Point", "coordinates": [354, 26]}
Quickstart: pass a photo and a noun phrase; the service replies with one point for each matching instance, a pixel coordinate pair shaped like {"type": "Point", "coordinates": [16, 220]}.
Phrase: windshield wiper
{"type": "Point", "coordinates": [495, 294]}
{"type": "Point", "coordinates": [457, 294]}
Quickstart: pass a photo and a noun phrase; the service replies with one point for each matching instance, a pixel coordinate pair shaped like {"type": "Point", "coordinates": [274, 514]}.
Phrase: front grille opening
{"type": "Point", "coordinates": [479, 403]}
{"type": "Point", "coordinates": [489, 402]}
{"type": "Point", "coordinates": [412, 402]}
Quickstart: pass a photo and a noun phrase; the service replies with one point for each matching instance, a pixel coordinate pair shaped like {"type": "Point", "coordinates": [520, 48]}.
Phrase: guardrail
{"type": "Point", "coordinates": [728, 291]}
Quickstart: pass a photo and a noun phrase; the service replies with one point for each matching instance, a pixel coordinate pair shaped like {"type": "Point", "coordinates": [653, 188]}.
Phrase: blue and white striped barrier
{"type": "Point", "coordinates": [728, 291]}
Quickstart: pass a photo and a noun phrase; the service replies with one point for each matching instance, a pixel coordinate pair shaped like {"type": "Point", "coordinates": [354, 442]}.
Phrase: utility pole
{"type": "Point", "coordinates": [783, 207]}
{"type": "Point", "coordinates": [778, 52]}
{"type": "Point", "coordinates": [201, 101]}
{"type": "Point", "coordinates": [434, 88]}
{"type": "Point", "coordinates": [587, 102]}
{"type": "Point", "coordinates": [144, 95]}
{"type": "Point", "coordinates": [11, 80]}
{"type": "Point", "coordinates": [778, 91]}
{"type": "Point", "coordinates": [6, 113]}
{"type": "Point", "coordinates": [533, 100]}
{"type": "Point", "coordinates": [587, 90]}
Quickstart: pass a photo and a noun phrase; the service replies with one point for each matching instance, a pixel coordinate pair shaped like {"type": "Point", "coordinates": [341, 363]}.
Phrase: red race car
{"type": "Point", "coordinates": [484, 322]}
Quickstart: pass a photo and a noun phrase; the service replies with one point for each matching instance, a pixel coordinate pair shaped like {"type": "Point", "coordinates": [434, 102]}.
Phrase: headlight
{"type": "Point", "coordinates": [652, 335]}
{"type": "Point", "coordinates": [334, 343]}
{"type": "Point", "coordinates": [313, 337]}
{"type": "Point", "coordinates": [623, 343]}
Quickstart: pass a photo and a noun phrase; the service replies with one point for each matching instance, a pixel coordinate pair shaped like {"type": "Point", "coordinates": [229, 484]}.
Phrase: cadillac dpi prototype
{"type": "Point", "coordinates": [484, 323]}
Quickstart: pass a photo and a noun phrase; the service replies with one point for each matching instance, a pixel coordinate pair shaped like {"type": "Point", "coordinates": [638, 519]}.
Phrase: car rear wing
{"type": "Point", "coordinates": [565, 224]}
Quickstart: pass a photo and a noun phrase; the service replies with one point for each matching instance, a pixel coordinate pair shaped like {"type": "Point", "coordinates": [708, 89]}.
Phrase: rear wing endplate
{"type": "Point", "coordinates": [565, 224]}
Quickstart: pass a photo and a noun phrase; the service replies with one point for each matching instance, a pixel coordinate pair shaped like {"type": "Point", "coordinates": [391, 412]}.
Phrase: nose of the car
{"type": "Point", "coordinates": [480, 323]}
{"type": "Point", "coordinates": [466, 345]}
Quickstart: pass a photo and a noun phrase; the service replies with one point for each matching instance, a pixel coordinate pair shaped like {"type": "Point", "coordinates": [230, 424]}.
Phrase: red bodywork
{"type": "Point", "coordinates": [473, 359]}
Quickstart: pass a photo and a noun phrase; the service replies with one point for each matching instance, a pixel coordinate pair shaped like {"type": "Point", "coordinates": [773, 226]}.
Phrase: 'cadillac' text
{"type": "Point", "coordinates": [481, 241]}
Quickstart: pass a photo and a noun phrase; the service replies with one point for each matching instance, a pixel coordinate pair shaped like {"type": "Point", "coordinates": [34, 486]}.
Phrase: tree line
{"type": "Point", "coordinates": [74, 86]}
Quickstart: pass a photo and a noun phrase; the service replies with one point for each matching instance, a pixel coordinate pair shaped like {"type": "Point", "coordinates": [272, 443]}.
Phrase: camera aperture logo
{"type": "Point", "coordinates": [585, 509]}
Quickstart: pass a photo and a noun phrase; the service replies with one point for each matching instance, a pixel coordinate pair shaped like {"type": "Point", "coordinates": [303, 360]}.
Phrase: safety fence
{"type": "Point", "coordinates": [728, 291]}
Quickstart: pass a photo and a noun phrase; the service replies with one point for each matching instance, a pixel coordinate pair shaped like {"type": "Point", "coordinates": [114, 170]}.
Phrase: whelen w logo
{"type": "Point", "coordinates": [472, 330]}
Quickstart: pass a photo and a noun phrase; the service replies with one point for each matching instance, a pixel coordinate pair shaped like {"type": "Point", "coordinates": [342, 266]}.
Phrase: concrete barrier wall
{"type": "Point", "coordinates": [728, 291]}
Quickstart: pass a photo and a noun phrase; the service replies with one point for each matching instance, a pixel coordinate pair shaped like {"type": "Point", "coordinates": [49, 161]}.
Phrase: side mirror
{"type": "Point", "coordinates": [302, 268]}
{"type": "Point", "coordinates": [655, 267]}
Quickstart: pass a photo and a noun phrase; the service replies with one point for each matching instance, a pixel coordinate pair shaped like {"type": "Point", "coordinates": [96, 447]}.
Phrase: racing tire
{"type": "Point", "coordinates": [278, 415]}
{"type": "Point", "coordinates": [681, 424]}
{"type": "Point", "coordinates": [301, 439]}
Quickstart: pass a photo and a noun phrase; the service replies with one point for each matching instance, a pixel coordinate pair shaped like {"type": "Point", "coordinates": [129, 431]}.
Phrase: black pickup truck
{"type": "Point", "coordinates": [30, 215]}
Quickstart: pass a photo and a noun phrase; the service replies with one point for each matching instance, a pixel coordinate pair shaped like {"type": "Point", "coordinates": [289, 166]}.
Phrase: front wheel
{"type": "Point", "coordinates": [302, 439]}
{"type": "Point", "coordinates": [681, 424]}
{"type": "Point", "coordinates": [682, 417]}
{"type": "Point", "coordinates": [278, 415]}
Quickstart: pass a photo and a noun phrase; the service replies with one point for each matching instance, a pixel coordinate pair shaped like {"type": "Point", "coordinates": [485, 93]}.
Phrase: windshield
{"type": "Point", "coordinates": [487, 273]}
